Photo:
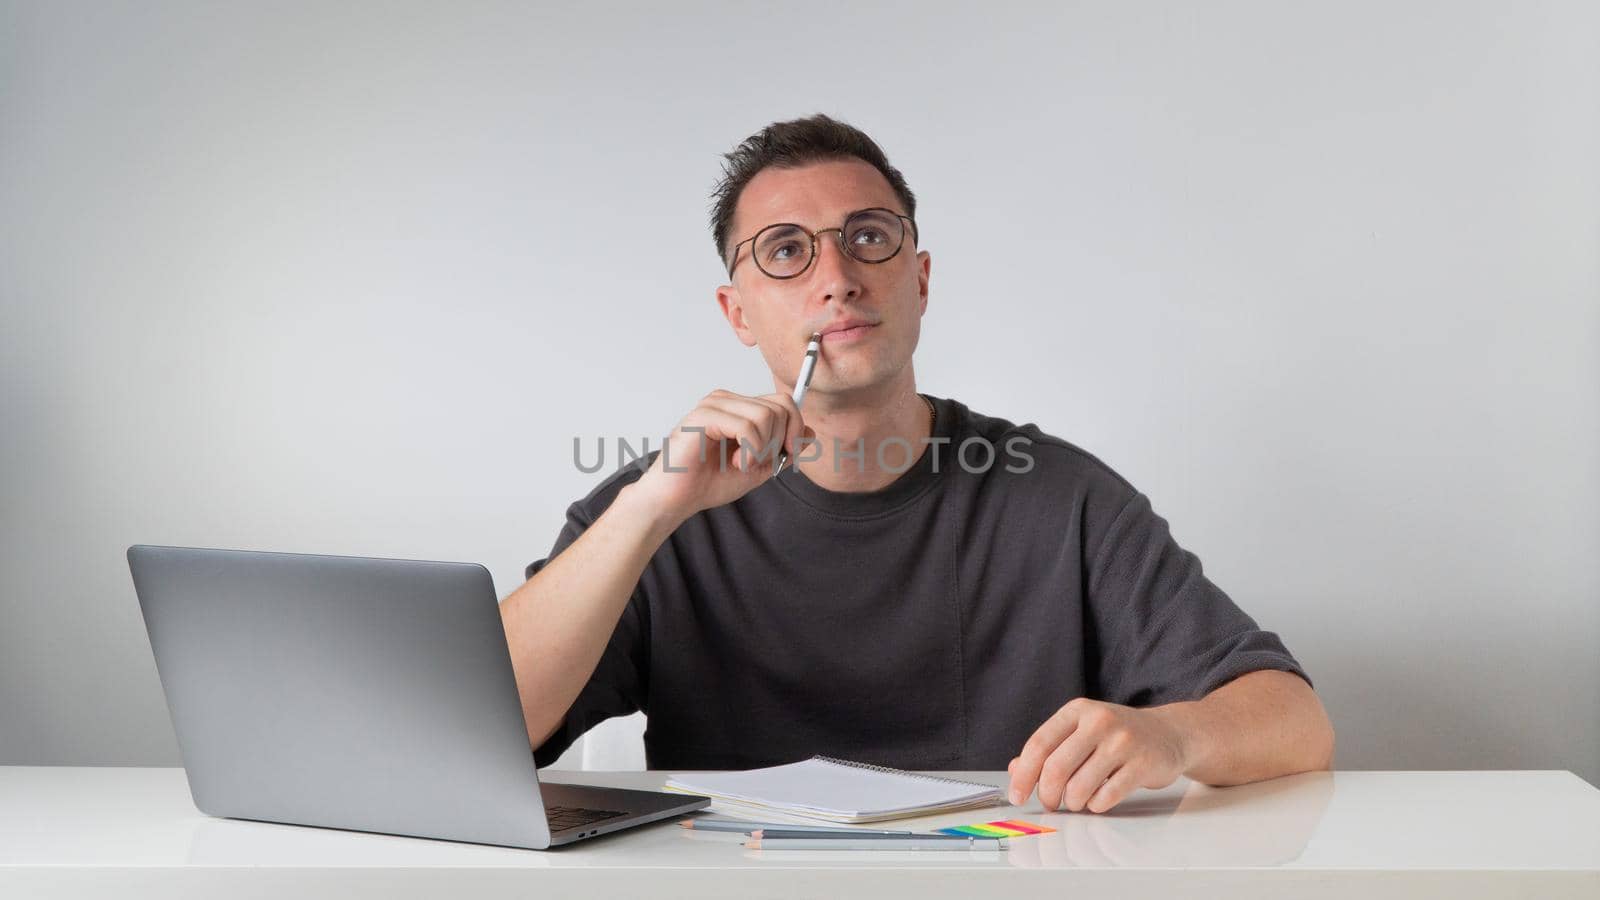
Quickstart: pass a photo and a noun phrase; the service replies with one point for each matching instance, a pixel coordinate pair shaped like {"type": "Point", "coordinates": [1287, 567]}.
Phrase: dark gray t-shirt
{"type": "Point", "coordinates": [932, 624]}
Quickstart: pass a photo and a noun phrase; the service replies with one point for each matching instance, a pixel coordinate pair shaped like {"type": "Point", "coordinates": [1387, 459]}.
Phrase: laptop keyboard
{"type": "Point", "coordinates": [564, 817]}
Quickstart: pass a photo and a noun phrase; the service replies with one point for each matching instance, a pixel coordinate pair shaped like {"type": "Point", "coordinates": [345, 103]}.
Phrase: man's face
{"type": "Point", "coordinates": [779, 316]}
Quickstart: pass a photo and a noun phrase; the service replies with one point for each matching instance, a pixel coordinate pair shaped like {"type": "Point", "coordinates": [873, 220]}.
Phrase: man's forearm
{"type": "Point", "coordinates": [558, 622]}
{"type": "Point", "coordinates": [1260, 725]}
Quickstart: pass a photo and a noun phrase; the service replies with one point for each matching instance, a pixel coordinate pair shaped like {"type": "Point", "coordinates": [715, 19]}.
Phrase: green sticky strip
{"type": "Point", "coordinates": [985, 831]}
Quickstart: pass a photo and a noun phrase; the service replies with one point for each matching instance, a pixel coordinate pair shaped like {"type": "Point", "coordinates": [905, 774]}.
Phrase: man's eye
{"type": "Point", "coordinates": [869, 236]}
{"type": "Point", "coordinates": [784, 251]}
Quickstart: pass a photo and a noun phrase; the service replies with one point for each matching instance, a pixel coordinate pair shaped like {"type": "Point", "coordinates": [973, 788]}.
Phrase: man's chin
{"type": "Point", "coordinates": [851, 383]}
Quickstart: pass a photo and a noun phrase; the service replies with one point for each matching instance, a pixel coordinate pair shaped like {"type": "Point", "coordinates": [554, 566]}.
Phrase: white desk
{"type": "Point", "coordinates": [130, 832]}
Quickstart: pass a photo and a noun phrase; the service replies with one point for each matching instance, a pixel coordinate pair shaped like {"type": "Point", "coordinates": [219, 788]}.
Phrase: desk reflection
{"type": "Point", "coordinates": [1265, 824]}
{"type": "Point", "coordinates": [1268, 823]}
{"type": "Point", "coordinates": [241, 842]}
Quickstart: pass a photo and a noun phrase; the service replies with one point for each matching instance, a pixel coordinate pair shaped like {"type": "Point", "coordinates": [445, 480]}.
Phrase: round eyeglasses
{"type": "Point", "coordinates": [786, 250]}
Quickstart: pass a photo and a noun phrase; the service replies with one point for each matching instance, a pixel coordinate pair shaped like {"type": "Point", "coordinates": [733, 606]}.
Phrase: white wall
{"type": "Point", "coordinates": [1321, 279]}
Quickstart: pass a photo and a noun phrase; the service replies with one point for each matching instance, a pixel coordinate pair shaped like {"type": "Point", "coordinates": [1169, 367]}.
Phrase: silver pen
{"type": "Point", "coordinates": [807, 366]}
{"type": "Point", "coordinates": [794, 833]}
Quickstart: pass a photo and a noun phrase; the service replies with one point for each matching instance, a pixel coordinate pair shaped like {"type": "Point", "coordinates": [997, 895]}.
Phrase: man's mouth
{"type": "Point", "coordinates": [847, 334]}
{"type": "Point", "coordinates": [855, 331]}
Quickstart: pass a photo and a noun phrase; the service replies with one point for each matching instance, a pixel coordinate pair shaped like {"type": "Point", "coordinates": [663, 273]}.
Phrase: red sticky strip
{"type": "Point", "coordinates": [1024, 827]}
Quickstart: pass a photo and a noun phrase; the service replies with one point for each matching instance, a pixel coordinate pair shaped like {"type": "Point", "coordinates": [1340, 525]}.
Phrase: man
{"type": "Point", "coordinates": [896, 594]}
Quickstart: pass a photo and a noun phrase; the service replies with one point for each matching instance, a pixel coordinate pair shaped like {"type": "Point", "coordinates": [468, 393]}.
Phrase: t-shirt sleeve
{"type": "Point", "coordinates": [616, 688]}
{"type": "Point", "coordinates": [1165, 633]}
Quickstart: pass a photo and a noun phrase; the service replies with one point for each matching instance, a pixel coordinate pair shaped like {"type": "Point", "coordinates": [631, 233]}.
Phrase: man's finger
{"type": "Point", "coordinates": [1116, 789]}
{"type": "Point", "coordinates": [1062, 764]}
{"type": "Point", "coordinates": [754, 410]}
{"type": "Point", "coordinates": [1045, 739]}
{"type": "Point", "coordinates": [1093, 773]}
{"type": "Point", "coordinates": [716, 425]}
{"type": "Point", "coordinates": [727, 432]}
{"type": "Point", "coordinates": [785, 424]}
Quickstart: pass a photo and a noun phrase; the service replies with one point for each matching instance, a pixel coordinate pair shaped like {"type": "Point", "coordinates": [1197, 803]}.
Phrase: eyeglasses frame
{"type": "Point", "coordinates": [813, 235]}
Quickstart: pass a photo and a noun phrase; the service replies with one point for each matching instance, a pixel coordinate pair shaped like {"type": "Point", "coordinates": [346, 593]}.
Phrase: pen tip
{"type": "Point", "coordinates": [816, 336]}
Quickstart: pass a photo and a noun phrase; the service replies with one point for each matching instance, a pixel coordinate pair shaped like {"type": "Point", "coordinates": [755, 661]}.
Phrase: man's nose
{"type": "Point", "coordinates": [836, 269]}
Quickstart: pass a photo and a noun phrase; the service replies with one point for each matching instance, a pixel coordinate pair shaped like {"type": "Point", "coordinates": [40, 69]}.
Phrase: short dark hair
{"type": "Point", "coordinates": [789, 145]}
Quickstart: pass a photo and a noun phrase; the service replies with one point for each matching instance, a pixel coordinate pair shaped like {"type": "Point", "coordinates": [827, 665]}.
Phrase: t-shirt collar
{"type": "Point", "coordinates": [910, 484]}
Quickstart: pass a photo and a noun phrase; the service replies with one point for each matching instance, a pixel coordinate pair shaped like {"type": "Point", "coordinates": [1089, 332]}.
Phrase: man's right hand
{"type": "Point", "coordinates": [725, 447]}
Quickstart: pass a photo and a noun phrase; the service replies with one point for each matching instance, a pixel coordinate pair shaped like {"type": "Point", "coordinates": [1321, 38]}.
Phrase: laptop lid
{"type": "Point", "coordinates": [344, 692]}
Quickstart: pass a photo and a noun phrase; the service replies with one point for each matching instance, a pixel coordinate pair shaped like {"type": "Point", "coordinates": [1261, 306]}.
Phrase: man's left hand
{"type": "Point", "coordinates": [1091, 755]}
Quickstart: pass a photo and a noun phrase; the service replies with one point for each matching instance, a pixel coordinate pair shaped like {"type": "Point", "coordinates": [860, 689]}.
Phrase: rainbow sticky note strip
{"type": "Point", "coordinates": [1007, 828]}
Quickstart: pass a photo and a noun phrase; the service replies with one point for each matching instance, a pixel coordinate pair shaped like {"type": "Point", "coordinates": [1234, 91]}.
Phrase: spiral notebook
{"type": "Point", "coordinates": [834, 790]}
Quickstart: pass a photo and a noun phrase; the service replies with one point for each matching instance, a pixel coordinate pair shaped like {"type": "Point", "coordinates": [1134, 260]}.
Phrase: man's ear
{"type": "Point", "coordinates": [924, 262]}
{"type": "Point", "coordinates": [733, 310]}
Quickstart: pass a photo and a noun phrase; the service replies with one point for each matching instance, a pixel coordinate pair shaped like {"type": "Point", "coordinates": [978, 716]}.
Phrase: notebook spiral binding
{"type": "Point", "coordinates": [887, 770]}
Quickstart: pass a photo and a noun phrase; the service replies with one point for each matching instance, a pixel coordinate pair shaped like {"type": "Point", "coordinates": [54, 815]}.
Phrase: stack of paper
{"type": "Point", "coordinates": [833, 790]}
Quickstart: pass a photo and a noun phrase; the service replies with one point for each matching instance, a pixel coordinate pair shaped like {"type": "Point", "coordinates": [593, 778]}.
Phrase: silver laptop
{"type": "Point", "coordinates": [367, 694]}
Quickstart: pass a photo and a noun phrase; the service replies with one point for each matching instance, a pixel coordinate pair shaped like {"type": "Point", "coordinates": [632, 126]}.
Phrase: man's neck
{"type": "Point", "coordinates": [851, 428]}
